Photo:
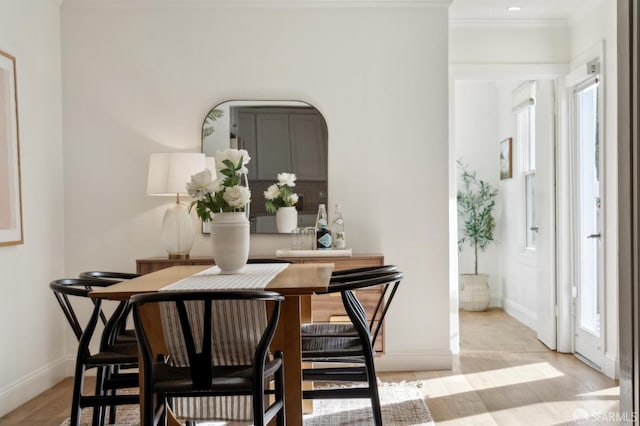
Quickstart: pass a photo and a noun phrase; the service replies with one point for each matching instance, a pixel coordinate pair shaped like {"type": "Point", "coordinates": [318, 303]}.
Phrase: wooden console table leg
{"type": "Point", "coordinates": [288, 340]}
{"type": "Point", "coordinates": [306, 317]}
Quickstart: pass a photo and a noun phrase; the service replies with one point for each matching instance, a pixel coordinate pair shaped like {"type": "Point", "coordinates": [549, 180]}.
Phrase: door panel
{"type": "Point", "coordinates": [545, 212]}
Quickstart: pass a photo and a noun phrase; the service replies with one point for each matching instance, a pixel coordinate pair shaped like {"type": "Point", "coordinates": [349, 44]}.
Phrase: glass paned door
{"type": "Point", "coordinates": [588, 303]}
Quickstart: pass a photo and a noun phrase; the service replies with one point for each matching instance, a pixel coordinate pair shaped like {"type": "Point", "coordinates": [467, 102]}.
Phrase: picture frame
{"type": "Point", "coordinates": [11, 231]}
{"type": "Point", "coordinates": [506, 159]}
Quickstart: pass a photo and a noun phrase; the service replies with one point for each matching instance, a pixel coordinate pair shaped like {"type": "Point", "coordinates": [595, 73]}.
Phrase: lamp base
{"type": "Point", "coordinates": [178, 231]}
{"type": "Point", "coordinates": [179, 256]}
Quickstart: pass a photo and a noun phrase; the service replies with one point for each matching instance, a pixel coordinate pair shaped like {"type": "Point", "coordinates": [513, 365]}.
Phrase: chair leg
{"type": "Point", "coordinates": [113, 392]}
{"type": "Point", "coordinates": [373, 388]}
{"type": "Point", "coordinates": [99, 411]}
{"type": "Point", "coordinates": [258, 403]}
{"type": "Point", "coordinates": [375, 406]}
{"type": "Point", "coordinates": [112, 409]}
{"type": "Point", "coordinates": [164, 415]}
{"type": "Point", "coordinates": [279, 382]}
{"type": "Point", "coordinates": [149, 403]}
{"type": "Point", "coordinates": [78, 384]}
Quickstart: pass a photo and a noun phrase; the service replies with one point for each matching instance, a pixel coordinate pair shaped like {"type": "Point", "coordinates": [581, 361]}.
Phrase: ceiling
{"type": "Point", "coordinates": [530, 9]}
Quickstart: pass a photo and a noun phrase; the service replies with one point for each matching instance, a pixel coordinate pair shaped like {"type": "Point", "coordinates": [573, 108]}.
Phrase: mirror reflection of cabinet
{"type": "Point", "coordinates": [308, 151]}
{"type": "Point", "coordinates": [280, 136]}
{"type": "Point", "coordinates": [283, 139]}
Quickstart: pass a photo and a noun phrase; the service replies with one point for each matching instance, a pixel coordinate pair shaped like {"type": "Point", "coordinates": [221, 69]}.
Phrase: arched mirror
{"type": "Point", "coordinates": [280, 136]}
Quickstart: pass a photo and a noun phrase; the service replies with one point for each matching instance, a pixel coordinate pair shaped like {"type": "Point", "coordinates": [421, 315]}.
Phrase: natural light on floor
{"type": "Point", "coordinates": [444, 386]}
{"type": "Point", "coordinates": [614, 391]}
{"type": "Point", "coordinates": [599, 411]}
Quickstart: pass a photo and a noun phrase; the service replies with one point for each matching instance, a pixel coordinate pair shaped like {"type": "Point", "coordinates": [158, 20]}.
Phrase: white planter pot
{"type": "Point", "coordinates": [230, 241]}
{"type": "Point", "coordinates": [474, 292]}
{"type": "Point", "coordinates": [286, 219]}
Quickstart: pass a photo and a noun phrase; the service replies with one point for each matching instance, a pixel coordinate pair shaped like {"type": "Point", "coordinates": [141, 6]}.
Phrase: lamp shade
{"type": "Point", "coordinates": [170, 172]}
{"type": "Point", "coordinates": [211, 165]}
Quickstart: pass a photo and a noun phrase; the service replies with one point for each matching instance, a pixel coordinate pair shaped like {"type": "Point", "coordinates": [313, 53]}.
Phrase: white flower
{"type": "Point", "coordinates": [237, 196]}
{"type": "Point", "coordinates": [201, 184]}
{"type": "Point", "coordinates": [288, 179]}
{"type": "Point", "coordinates": [233, 155]}
{"type": "Point", "coordinates": [272, 192]}
{"type": "Point", "coordinates": [293, 198]}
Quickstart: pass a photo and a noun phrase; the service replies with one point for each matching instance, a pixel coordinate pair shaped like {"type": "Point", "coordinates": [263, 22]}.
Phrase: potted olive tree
{"type": "Point", "coordinates": [476, 202]}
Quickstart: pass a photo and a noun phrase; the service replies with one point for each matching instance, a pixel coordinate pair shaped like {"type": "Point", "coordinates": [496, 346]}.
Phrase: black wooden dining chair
{"type": "Point", "coordinates": [350, 347]}
{"type": "Point", "coordinates": [117, 322]}
{"type": "Point", "coordinates": [385, 297]}
{"type": "Point", "coordinates": [115, 327]}
{"type": "Point", "coordinates": [70, 294]}
{"type": "Point", "coordinates": [217, 365]}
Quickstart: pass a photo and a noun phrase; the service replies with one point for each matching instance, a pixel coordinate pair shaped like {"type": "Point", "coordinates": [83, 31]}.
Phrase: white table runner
{"type": "Point", "coordinates": [237, 330]}
{"type": "Point", "coordinates": [253, 277]}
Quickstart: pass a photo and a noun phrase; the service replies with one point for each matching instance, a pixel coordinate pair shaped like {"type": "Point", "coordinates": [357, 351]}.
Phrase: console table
{"type": "Point", "coordinates": [325, 308]}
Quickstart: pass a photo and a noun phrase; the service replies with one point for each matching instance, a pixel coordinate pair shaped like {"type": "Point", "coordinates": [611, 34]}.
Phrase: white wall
{"type": "Point", "coordinates": [518, 270]}
{"type": "Point", "coordinates": [477, 145]}
{"type": "Point", "coordinates": [31, 324]}
{"type": "Point", "coordinates": [139, 79]}
{"type": "Point", "coordinates": [508, 43]}
{"type": "Point", "coordinates": [587, 32]}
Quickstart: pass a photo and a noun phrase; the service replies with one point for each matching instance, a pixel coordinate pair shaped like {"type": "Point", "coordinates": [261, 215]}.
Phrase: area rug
{"type": "Point", "coordinates": [402, 405]}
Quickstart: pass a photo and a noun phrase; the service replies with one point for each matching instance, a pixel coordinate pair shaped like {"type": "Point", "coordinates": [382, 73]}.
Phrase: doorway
{"type": "Point", "coordinates": [521, 265]}
{"type": "Point", "coordinates": [586, 207]}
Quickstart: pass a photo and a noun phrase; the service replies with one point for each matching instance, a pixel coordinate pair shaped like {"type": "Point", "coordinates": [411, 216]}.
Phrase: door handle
{"type": "Point", "coordinates": [593, 236]}
{"type": "Point", "coordinates": [534, 228]}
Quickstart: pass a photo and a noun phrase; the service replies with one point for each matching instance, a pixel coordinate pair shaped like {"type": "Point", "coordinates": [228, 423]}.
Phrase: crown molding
{"type": "Point", "coordinates": [508, 23]}
{"type": "Point", "coordinates": [257, 3]}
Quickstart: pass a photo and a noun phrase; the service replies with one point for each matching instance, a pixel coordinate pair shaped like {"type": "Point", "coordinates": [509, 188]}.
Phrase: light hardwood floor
{"type": "Point", "coordinates": [503, 376]}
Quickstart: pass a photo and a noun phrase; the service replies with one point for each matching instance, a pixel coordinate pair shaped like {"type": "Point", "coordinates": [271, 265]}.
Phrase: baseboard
{"type": "Point", "coordinates": [22, 390]}
{"type": "Point", "coordinates": [522, 314]}
{"type": "Point", "coordinates": [495, 301]}
{"type": "Point", "coordinates": [610, 366]}
{"type": "Point", "coordinates": [413, 361]}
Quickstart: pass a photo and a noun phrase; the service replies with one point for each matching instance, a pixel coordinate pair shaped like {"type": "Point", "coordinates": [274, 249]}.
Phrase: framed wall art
{"type": "Point", "coordinates": [506, 163]}
{"type": "Point", "coordinates": [10, 186]}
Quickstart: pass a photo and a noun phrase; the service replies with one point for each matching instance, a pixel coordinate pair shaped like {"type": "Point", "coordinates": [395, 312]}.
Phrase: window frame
{"type": "Point", "coordinates": [527, 136]}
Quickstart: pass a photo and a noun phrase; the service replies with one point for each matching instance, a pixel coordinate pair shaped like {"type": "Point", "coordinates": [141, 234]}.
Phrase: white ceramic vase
{"type": "Point", "coordinates": [230, 241]}
{"type": "Point", "coordinates": [286, 219]}
{"type": "Point", "coordinates": [474, 292]}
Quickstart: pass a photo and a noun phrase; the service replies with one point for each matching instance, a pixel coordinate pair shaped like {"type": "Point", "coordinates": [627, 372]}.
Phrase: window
{"type": "Point", "coordinates": [526, 136]}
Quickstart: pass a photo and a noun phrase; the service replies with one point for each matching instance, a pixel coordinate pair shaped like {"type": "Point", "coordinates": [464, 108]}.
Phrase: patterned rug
{"type": "Point", "coordinates": [402, 405]}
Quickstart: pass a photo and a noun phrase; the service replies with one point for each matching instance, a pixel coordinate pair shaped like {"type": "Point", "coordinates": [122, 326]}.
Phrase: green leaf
{"type": "Point", "coordinates": [212, 116]}
{"type": "Point", "coordinates": [476, 202]}
{"type": "Point", "coordinates": [229, 165]}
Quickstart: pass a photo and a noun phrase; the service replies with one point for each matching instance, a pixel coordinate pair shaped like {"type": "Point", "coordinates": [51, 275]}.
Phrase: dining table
{"type": "Point", "coordinates": [297, 282]}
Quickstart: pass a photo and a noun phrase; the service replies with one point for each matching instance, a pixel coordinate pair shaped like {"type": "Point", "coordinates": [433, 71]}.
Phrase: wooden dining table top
{"type": "Point", "coordinates": [297, 279]}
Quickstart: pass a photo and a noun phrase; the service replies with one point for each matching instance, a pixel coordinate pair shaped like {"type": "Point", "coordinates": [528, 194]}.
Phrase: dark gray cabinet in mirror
{"type": "Point", "coordinates": [280, 136]}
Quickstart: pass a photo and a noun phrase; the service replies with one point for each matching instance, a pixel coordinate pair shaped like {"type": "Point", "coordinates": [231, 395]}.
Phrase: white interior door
{"type": "Point", "coordinates": [587, 206]}
{"type": "Point", "coordinates": [545, 213]}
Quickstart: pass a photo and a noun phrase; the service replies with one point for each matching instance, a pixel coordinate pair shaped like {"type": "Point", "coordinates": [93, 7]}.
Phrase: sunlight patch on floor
{"type": "Point", "coordinates": [614, 391]}
{"type": "Point", "coordinates": [444, 386]}
{"type": "Point", "coordinates": [450, 385]}
{"type": "Point", "coordinates": [484, 419]}
{"type": "Point", "coordinates": [552, 412]}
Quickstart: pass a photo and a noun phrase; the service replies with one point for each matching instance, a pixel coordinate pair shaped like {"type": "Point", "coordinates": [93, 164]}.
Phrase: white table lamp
{"type": "Point", "coordinates": [211, 165]}
{"type": "Point", "coordinates": [168, 176]}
